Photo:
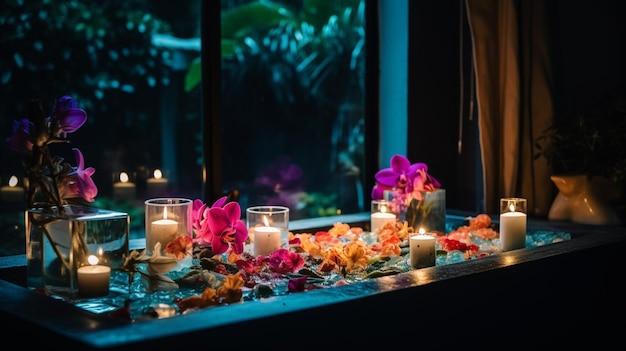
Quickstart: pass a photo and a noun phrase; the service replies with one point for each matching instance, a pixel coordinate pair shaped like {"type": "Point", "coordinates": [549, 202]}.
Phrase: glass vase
{"type": "Point", "coordinates": [428, 213]}
{"type": "Point", "coordinates": [59, 241]}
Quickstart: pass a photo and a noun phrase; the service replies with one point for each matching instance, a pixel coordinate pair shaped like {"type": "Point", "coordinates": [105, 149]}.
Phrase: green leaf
{"type": "Point", "coordinates": [194, 75]}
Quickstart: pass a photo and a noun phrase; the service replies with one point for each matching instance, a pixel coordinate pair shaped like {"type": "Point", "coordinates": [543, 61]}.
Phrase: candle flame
{"type": "Point", "coordinates": [422, 231]}
{"type": "Point", "coordinates": [13, 181]}
{"type": "Point", "coordinates": [158, 174]}
{"type": "Point", "coordinates": [512, 207]}
{"type": "Point", "coordinates": [383, 209]}
{"type": "Point", "coordinates": [266, 221]}
{"type": "Point", "coordinates": [93, 260]}
{"type": "Point", "coordinates": [164, 212]}
{"type": "Point", "coordinates": [124, 177]}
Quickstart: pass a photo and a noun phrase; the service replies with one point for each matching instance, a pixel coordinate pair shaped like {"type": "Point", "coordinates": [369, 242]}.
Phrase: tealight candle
{"type": "Point", "coordinates": [266, 240]}
{"type": "Point", "coordinates": [422, 250]}
{"type": "Point", "coordinates": [93, 280]}
{"type": "Point", "coordinates": [12, 192]}
{"type": "Point", "coordinates": [157, 186]}
{"type": "Point", "coordinates": [512, 223]}
{"type": "Point", "coordinates": [124, 189]}
{"type": "Point", "coordinates": [380, 215]}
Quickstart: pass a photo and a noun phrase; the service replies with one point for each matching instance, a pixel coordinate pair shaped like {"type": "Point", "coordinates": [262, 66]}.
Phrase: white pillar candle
{"type": "Point", "coordinates": [162, 231]}
{"type": "Point", "coordinates": [266, 240]}
{"type": "Point", "coordinates": [93, 280]}
{"type": "Point", "coordinates": [379, 219]}
{"type": "Point", "coordinates": [513, 230]}
{"type": "Point", "coordinates": [422, 250]}
{"type": "Point", "coordinates": [124, 190]}
{"type": "Point", "coordinates": [157, 186]}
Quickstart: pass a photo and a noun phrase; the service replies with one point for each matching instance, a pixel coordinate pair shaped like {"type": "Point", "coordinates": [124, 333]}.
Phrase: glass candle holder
{"type": "Point", "coordinates": [513, 219]}
{"type": "Point", "coordinates": [268, 228]}
{"type": "Point", "coordinates": [167, 219]}
{"type": "Point", "coordinates": [381, 214]}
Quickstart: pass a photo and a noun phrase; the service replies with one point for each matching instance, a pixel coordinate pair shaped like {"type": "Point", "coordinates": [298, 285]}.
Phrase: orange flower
{"type": "Point", "coordinates": [230, 291]}
{"type": "Point", "coordinates": [208, 298]}
{"type": "Point", "coordinates": [355, 253]}
{"type": "Point", "coordinates": [391, 247]}
{"type": "Point", "coordinates": [180, 247]}
{"type": "Point", "coordinates": [339, 229]}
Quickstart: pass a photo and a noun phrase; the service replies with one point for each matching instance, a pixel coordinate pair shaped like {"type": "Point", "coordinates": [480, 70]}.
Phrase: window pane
{"type": "Point", "coordinates": [293, 116]}
{"type": "Point", "coordinates": [125, 64]}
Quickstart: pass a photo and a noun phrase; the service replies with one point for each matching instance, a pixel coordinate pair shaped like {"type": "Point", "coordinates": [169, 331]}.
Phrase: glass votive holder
{"type": "Point", "coordinates": [268, 228]}
{"type": "Point", "coordinates": [167, 219]}
{"type": "Point", "coordinates": [422, 250]}
{"type": "Point", "coordinates": [381, 214]}
{"type": "Point", "coordinates": [513, 217]}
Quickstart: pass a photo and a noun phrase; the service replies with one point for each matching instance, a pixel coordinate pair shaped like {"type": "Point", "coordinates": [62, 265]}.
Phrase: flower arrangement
{"type": "Point", "coordinates": [338, 256]}
{"type": "Point", "coordinates": [407, 186]}
{"type": "Point", "coordinates": [52, 181]}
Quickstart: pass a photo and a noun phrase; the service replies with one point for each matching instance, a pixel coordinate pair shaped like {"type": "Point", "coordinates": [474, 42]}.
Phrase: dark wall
{"type": "Point", "coordinates": [588, 46]}
{"type": "Point", "coordinates": [437, 58]}
{"type": "Point", "coordinates": [588, 40]}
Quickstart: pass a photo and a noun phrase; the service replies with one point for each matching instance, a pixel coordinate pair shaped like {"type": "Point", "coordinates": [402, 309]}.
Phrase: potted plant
{"type": "Point", "coordinates": [587, 150]}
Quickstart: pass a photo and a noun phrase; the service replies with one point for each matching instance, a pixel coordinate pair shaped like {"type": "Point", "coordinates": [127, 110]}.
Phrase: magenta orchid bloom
{"type": "Point", "coordinates": [283, 261]}
{"type": "Point", "coordinates": [227, 229]}
{"type": "Point", "coordinates": [67, 117]}
{"type": "Point", "coordinates": [404, 178]}
{"type": "Point", "coordinates": [200, 223]}
{"type": "Point", "coordinates": [398, 177]}
{"type": "Point", "coordinates": [79, 182]}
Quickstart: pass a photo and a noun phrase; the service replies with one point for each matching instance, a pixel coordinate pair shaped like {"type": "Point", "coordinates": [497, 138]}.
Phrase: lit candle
{"type": "Point", "coordinates": [162, 231]}
{"type": "Point", "coordinates": [157, 186]}
{"type": "Point", "coordinates": [93, 280]}
{"type": "Point", "coordinates": [12, 192]}
{"type": "Point", "coordinates": [422, 250]}
{"type": "Point", "coordinates": [266, 239]}
{"type": "Point", "coordinates": [124, 189]}
{"type": "Point", "coordinates": [380, 218]}
{"type": "Point", "coordinates": [512, 229]}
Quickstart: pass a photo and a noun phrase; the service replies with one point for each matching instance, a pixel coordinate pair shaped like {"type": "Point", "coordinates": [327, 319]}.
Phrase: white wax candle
{"type": "Point", "coordinates": [422, 250]}
{"type": "Point", "coordinates": [12, 192]}
{"type": "Point", "coordinates": [124, 189]}
{"type": "Point", "coordinates": [157, 186]}
{"type": "Point", "coordinates": [266, 240]}
{"type": "Point", "coordinates": [378, 220]}
{"type": "Point", "coordinates": [93, 280]}
{"type": "Point", "coordinates": [512, 230]}
{"type": "Point", "coordinates": [162, 231]}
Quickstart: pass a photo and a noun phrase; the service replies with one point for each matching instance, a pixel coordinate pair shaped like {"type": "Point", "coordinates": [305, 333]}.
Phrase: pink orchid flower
{"type": "Point", "coordinates": [227, 229]}
{"type": "Point", "coordinates": [200, 223]}
{"type": "Point", "coordinates": [283, 261]}
{"type": "Point", "coordinates": [79, 182]}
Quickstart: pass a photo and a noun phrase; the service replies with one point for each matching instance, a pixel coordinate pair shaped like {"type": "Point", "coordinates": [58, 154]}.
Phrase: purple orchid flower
{"type": "Point", "coordinates": [227, 229]}
{"type": "Point", "coordinates": [79, 182]}
{"type": "Point", "coordinates": [404, 178]}
{"type": "Point", "coordinates": [398, 177]}
{"type": "Point", "coordinates": [67, 117]}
